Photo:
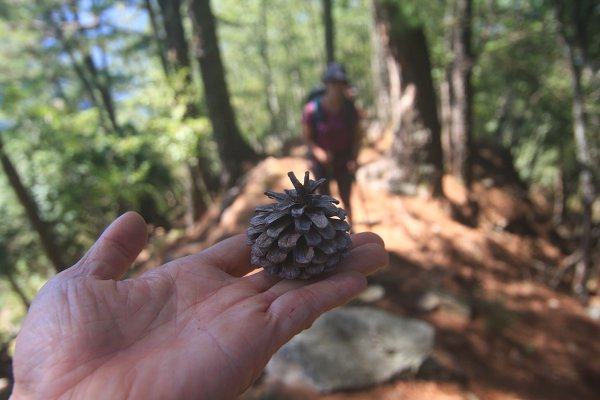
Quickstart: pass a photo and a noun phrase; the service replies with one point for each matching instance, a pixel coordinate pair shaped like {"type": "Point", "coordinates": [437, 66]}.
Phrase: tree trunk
{"type": "Point", "coordinates": [573, 23]}
{"type": "Point", "coordinates": [157, 36]}
{"type": "Point", "coordinates": [51, 248]}
{"type": "Point", "coordinates": [86, 71]}
{"type": "Point", "coordinates": [272, 102]}
{"type": "Point", "coordinates": [105, 91]}
{"type": "Point", "coordinates": [176, 45]}
{"type": "Point", "coordinates": [418, 138]}
{"type": "Point", "coordinates": [446, 115]}
{"type": "Point", "coordinates": [328, 24]}
{"type": "Point", "coordinates": [178, 64]}
{"type": "Point", "coordinates": [384, 98]}
{"type": "Point", "coordinates": [461, 93]}
{"type": "Point", "coordinates": [233, 149]}
{"type": "Point", "coordinates": [18, 290]}
{"type": "Point", "coordinates": [588, 190]}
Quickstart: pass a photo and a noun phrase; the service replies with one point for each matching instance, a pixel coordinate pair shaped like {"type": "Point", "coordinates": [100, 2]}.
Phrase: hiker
{"type": "Point", "coordinates": [197, 327]}
{"type": "Point", "coordinates": [331, 130]}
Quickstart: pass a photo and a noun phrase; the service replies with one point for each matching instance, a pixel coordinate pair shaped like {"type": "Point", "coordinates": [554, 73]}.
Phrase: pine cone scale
{"type": "Point", "coordinates": [313, 238]}
{"type": "Point", "coordinates": [301, 235]}
{"type": "Point", "coordinates": [297, 211]}
{"type": "Point", "coordinates": [275, 229]}
{"type": "Point", "coordinates": [288, 241]}
{"type": "Point", "coordinates": [264, 240]}
{"type": "Point", "coordinates": [328, 232]}
{"type": "Point", "coordinates": [318, 219]}
{"type": "Point", "coordinates": [302, 224]}
{"type": "Point", "coordinates": [276, 255]}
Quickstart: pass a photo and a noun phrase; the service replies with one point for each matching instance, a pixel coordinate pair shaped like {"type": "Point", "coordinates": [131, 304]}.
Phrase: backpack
{"type": "Point", "coordinates": [316, 94]}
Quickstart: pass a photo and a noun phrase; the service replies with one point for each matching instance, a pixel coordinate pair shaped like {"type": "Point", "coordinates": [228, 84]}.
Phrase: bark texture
{"type": "Point", "coordinates": [234, 151]}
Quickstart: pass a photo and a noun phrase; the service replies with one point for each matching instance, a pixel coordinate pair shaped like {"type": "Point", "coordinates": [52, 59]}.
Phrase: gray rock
{"type": "Point", "coordinates": [372, 294]}
{"type": "Point", "coordinates": [352, 348]}
{"type": "Point", "coordinates": [451, 305]}
{"type": "Point", "coordinates": [593, 312]}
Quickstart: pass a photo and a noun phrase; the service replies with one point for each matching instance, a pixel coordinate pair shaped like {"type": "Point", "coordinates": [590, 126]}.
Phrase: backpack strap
{"type": "Point", "coordinates": [318, 115]}
{"type": "Point", "coordinates": [349, 110]}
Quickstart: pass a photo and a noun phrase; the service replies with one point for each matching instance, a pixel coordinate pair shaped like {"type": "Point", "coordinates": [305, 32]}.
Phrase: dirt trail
{"type": "Point", "coordinates": [501, 333]}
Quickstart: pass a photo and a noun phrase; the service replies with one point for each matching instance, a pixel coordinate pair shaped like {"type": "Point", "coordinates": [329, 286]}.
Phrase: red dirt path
{"type": "Point", "coordinates": [513, 338]}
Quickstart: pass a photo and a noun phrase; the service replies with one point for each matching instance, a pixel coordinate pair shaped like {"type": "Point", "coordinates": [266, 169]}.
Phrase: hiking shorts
{"type": "Point", "coordinates": [338, 170]}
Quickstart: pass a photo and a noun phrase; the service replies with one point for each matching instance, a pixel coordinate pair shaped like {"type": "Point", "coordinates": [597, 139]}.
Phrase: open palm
{"type": "Point", "coordinates": [196, 327]}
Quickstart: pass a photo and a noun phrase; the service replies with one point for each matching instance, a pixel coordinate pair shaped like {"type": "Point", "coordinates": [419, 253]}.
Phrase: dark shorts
{"type": "Point", "coordinates": [338, 171]}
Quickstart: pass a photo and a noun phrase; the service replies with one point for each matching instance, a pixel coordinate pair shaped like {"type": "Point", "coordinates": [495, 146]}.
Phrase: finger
{"type": "Point", "coordinates": [116, 249]}
{"type": "Point", "coordinates": [361, 238]}
{"type": "Point", "coordinates": [297, 309]}
{"type": "Point", "coordinates": [232, 255]}
{"type": "Point", "coordinates": [364, 259]}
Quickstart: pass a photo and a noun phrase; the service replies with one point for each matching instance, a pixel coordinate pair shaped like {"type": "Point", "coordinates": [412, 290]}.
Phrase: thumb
{"type": "Point", "coordinates": [116, 249]}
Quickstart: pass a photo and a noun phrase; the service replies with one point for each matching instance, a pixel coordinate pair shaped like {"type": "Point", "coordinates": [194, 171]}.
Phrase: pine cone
{"type": "Point", "coordinates": [302, 235]}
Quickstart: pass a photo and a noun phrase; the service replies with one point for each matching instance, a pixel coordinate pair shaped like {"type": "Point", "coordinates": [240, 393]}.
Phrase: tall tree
{"type": "Point", "coordinates": [234, 151]}
{"type": "Point", "coordinates": [272, 101]}
{"type": "Point", "coordinates": [51, 248]}
{"type": "Point", "coordinates": [575, 27]}
{"type": "Point", "coordinates": [461, 92]}
{"type": "Point", "coordinates": [67, 26]}
{"type": "Point", "coordinates": [329, 32]}
{"type": "Point", "coordinates": [174, 53]}
{"type": "Point", "coordinates": [419, 131]}
{"type": "Point", "coordinates": [158, 37]}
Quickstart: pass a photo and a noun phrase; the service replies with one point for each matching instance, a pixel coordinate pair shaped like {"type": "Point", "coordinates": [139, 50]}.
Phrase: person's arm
{"type": "Point", "coordinates": [357, 136]}
{"type": "Point", "coordinates": [308, 135]}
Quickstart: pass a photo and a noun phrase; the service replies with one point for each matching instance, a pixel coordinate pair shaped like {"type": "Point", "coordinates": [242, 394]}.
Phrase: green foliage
{"type": "Point", "coordinates": [80, 172]}
{"type": "Point", "coordinates": [523, 92]}
{"type": "Point", "coordinates": [292, 35]}
{"type": "Point", "coordinates": [405, 15]}
{"type": "Point", "coordinates": [65, 63]}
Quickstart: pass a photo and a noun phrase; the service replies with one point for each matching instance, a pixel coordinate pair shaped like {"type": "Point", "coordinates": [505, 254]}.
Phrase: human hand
{"type": "Point", "coordinates": [323, 156]}
{"type": "Point", "coordinates": [195, 327]}
{"type": "Point", "coordinates": [352, 166]}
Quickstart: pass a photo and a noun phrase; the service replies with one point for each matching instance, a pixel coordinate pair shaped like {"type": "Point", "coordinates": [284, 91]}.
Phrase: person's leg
{"type": "Point", "coordinates": [344, 181]}
{"type": "Point", "coordinates": [320, 171]}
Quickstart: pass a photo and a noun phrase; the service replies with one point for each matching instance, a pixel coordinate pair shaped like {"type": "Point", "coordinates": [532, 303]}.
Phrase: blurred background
{"type": "Point", "coordinates": [479, 164]}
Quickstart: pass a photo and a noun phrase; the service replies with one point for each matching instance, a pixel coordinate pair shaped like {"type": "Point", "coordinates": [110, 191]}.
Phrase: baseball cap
{"type": "Point", "coordinates": [335, 72]}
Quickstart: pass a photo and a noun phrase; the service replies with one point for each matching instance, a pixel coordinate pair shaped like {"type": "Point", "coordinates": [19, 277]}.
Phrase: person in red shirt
{"type": "Point", "coordinates": [331, 131]}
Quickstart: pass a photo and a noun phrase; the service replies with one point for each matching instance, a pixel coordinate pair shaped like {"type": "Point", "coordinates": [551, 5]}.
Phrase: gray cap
{"type": "Point", "coordinates": [335, 72]}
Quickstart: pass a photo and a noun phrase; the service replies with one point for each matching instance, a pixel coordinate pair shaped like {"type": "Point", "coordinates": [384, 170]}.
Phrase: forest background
{"type": "Point", "coordinates": [160, 106]}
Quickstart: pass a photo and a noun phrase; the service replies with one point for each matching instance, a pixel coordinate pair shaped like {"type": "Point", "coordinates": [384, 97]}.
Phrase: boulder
{"type": "Point", "coordinates": [352, 348]}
